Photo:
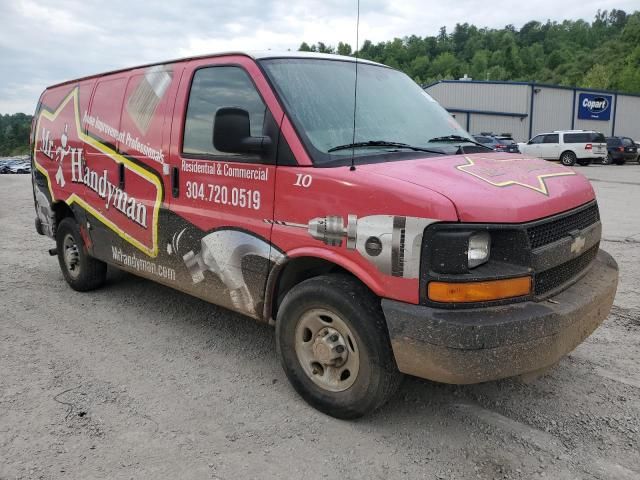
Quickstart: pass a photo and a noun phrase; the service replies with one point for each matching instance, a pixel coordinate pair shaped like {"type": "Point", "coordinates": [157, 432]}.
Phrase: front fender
{"type": "Point", "coordinates": [322, 254]}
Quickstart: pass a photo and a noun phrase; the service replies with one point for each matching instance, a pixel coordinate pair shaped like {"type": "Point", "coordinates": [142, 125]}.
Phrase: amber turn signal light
{"type": "Point", "coordinates": [466, 292]}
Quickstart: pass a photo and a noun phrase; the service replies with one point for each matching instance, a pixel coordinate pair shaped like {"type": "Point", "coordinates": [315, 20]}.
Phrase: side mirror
{"type": "Point", "coordinates": [232, 132]}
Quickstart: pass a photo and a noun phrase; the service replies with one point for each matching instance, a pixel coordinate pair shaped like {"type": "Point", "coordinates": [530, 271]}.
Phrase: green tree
{"type": "Point", "coordinates": [322, 48]}
{"type": "Point", "coordinates": [598, 76]}
{"type": "Point", "coordinates": [630, 74]}
{"type": "Point", "coordinates": [343, 49]}
{"type": "Point", "coordinates": [480, 65]}
{"type": "Point", "coordinates": [445, 65]}
{"type": "Point", "coordinates": [14, 134]}
{"type": "Point", "coordinates": [599, 54]}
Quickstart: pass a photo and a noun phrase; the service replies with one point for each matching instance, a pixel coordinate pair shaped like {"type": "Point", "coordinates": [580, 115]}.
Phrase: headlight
{"type": "Point", "coordinates": [479, 249]}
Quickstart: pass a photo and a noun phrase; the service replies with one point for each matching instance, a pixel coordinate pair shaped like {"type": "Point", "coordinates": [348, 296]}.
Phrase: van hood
{"type": "Point", "coordinates": [494, 187]}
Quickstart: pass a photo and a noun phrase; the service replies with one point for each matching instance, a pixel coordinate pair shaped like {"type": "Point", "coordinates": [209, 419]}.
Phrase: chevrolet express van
{"type": "Point", "coordinates": [400, 247]}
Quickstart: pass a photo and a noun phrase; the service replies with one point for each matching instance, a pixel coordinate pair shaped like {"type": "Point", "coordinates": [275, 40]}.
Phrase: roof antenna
{"type": "Point", "coordinates": [355, 91]}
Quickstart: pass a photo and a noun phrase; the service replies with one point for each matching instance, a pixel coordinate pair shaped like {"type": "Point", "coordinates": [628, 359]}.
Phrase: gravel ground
{"type": "Point", "coordinates": [138, 381]}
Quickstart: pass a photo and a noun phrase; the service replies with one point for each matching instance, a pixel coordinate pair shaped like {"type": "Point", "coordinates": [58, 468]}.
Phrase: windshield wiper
{"type": "Point", "coordinates": [458, 138]}
{"type": "Point", "coordinates": [383, 143]}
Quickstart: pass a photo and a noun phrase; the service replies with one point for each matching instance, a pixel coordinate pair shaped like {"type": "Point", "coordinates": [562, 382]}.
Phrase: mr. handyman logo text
{"type": "Point", "coordinates": [596, 104]}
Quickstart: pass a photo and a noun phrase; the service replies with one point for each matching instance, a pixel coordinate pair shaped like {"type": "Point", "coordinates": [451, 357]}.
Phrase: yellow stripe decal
{"type": "Point", "coordinates": [115, 156]}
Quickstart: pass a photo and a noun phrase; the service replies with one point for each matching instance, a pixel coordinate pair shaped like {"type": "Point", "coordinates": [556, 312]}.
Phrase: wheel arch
{"type": "Point", "coordinates": [61, 211]}
{"type": "Point", "coordinates": [302, 265]}
{"type": "Point", "coordinates": [567, 150]}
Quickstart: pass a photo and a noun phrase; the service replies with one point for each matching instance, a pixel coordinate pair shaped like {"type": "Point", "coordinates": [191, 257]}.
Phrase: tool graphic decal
{"type": "Point", "coordinates": [501, 172]}
{"type": "Point", "coordinates": [391, 243]}
{"type": "Point", "coordinates": [222, 253]}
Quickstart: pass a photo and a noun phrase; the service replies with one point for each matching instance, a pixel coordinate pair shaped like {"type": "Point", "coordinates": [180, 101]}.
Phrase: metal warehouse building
{"type": "Point", "coordinates": [526, 109]}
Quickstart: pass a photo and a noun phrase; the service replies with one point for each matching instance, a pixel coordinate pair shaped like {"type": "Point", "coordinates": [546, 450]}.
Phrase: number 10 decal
{"type": "Point", "coordinates": [303, 180]}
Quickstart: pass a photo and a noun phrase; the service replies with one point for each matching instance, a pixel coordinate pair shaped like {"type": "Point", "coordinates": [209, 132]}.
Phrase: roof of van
{"type": "Point", "coordinates": [256, 55]}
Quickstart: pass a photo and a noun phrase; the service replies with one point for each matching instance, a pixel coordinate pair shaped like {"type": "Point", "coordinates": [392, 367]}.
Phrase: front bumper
{"type": "Point", "coordinates": [482, 344]}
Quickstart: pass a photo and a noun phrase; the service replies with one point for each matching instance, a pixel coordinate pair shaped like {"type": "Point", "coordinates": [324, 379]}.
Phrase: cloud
{"type": "Point", "coordinates": [43, 42]}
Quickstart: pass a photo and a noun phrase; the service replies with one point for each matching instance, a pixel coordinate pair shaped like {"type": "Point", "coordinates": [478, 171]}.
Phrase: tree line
{"type": "Point", "coordinates": [602, 54]}
{"type": "Point", "coordinates": [14, 134]}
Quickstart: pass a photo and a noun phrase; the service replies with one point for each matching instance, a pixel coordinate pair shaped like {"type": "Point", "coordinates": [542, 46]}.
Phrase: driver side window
{"type": "Point", "coordinates": [536, 140]}
{"type": "Point", "coordinates": [213, 88]}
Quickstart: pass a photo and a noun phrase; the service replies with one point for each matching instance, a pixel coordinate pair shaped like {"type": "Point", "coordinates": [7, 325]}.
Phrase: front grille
{"type": "Point", "coordinates": [554, 230]}
{"type": "Point", "coordinates": [559, 275]}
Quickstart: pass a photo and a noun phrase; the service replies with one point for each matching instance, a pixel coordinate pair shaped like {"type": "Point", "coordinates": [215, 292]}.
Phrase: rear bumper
{"type": "Point", "coordinates": [627, 157]}
{"type": "Point", "coordinates": [478, 345]}
{"type": "Point", "coordinates": [591, 153]}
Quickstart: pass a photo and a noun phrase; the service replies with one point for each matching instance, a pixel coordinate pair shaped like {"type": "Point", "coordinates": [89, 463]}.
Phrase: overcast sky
{"type": "Point", "coordinates": [44, 42]}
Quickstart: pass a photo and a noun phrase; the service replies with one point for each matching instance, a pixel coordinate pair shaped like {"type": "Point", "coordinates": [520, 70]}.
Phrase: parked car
{"type": "Point", "coordinates": [499, 143]}
{"type": "Point", "coordinates": [568, 146]}
{"type": "Point", "coordinates": [620, 150]}
{"type": "Point", "coordinates": [12, 165]}
{"type": "Point", "coordinates": [236, 178]}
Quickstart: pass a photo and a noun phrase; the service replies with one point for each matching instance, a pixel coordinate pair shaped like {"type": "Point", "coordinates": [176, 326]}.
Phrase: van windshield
{"type": "Point", "coordinates": [319, 98]}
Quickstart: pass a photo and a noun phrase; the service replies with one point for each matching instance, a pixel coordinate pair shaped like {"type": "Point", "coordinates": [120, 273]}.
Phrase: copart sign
{"type": "Point", "coordinates": [594, 106]}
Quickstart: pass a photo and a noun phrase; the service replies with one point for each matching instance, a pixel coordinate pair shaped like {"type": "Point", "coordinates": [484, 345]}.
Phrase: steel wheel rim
{"type": "Point", "coordinates": [320, 354]}
{"type": "Point", "coordinates": [566, 159]}
{"type": "Point", "coordinates": [71, 255]}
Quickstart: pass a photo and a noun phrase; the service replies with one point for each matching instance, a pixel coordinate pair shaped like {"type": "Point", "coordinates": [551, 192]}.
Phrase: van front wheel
{"type": "Point", "coordinates": [81, 271]}
{"type": "Point", "coordinates": [333, 344]}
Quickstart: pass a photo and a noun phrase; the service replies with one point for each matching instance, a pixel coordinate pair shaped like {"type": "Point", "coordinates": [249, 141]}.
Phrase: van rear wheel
{"type": "Point", "coordinates": [81, 272]}
{"type": "Point", "coordinates": [334, 347]}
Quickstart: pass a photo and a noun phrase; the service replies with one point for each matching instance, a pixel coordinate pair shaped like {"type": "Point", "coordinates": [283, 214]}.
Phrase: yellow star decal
{"type": "Point", "coordinates": [514, 171]}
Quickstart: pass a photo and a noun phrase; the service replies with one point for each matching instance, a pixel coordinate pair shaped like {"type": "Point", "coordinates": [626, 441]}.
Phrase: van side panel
{"type": "Point", "coordinates": [111, 148]}
{"type": "Point", "coordinates": [220, 231]}
{"type": "Point", "coordinates": [135, 131]}
{"type": "Point", "coordinates": [57, 143]}
{"type": "Point", "coordinates": [119, 182]}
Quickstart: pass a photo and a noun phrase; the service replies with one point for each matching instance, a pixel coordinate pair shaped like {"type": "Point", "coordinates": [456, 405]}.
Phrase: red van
{"type": "Point", "coordinates": [398, 246]}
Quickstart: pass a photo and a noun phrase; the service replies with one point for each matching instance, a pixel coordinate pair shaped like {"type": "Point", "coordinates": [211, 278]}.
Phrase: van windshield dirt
{"type": "Point", "coordinates": [319, 98]}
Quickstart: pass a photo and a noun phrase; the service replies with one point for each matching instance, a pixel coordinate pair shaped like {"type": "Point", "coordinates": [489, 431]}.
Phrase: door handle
{"type": "Point", "coordinates": [175, 182]}
{"type": "Point", "coordinates": [121, 176]}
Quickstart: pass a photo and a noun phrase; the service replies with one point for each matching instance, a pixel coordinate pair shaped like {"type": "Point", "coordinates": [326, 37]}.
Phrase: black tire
{"type": "Point", "coordinates": [608, 160]}
{"type": "Point", "coordinates": [377, 378]}
{"type": "Point", "coordinates": [568, 158]}
{"type": "Point", "coordinates": [620, 162]}
{"type": "Point", "coordinates": [82, 273]}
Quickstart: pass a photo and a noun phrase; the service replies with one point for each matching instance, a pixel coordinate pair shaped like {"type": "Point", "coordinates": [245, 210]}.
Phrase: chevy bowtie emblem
{"type": "Point", "coordinates": [577, 245]}
{"type": "Point", "coordinates": [514, 171]}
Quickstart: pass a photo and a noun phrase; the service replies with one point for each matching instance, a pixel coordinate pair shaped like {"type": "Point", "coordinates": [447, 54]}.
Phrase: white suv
{"type": "Point", "coordinates": [568, 146]}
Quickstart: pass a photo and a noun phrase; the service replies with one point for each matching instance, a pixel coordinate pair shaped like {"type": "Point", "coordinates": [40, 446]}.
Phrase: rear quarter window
{"type": "Point", "coordinates": [578, 138]}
